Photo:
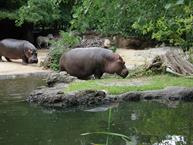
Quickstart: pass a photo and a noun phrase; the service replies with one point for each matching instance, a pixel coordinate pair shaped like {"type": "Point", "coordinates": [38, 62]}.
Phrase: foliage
{"type": "Point", "coordinates": [64, 43]}
{"type": "Point", "coordinates": [49, 13]}
{"type": "Point", "coordinates": [110, 16]}
{"type": "Point", "coordinates": [9, 8]}
{"type": "Point", "coordinates": [55, 54]}
{"type": "Point", "coordinates": [164, 21]}
{"type": "Point", "coordinates": [69, 40]}
{"type": "Point", "coordinates": [7, 14]}
{"type": "Point", "coordinates": [10, 5]}
{"type": "Point", "coordinates": [39, 11]}
{"type": "Point", "coordinates": [173, 25]}
{"type": "Point", "coordinates": [121, 86]}
{"type": "Point", "coordinates": [160, 20]}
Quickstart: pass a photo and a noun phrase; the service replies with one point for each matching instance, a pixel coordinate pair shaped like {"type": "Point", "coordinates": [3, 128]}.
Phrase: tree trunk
{"type": "Point", "coordinates": [173, 61]}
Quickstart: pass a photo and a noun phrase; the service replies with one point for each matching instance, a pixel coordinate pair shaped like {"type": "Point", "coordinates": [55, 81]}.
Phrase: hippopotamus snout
{"type": "Point", "coordinates": [124, 73]}
{"type": "Point", "coordinates": [33, 59]}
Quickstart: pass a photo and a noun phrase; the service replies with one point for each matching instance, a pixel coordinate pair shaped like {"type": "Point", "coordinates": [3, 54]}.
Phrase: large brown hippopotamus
{"type": "Point", "coordinates": [18, 49]}
{"type": "Point", "coordinates": [84, 62]}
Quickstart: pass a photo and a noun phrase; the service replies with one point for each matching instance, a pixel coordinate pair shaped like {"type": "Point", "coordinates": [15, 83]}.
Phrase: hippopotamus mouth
{"type": "Point", "coordinates": [33, 61]}
{"type": "Point", "coordinates": [124, 73]}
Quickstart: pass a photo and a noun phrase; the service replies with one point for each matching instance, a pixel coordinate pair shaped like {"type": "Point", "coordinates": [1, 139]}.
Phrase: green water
{"type": "Point", "coordinates": [146, 123]}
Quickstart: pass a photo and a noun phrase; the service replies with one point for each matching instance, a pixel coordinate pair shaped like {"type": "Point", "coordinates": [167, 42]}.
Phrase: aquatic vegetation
{"type": "Point", "coordinates": [108, 133]}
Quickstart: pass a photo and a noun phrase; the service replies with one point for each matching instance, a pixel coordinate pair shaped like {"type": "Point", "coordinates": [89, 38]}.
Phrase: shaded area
{"type": "Point", "coordinates": [9, 30]}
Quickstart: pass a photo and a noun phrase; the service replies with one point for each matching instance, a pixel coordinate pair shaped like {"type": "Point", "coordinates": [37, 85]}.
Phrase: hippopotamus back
{"type": "Point", "coordinates": [83, 62]}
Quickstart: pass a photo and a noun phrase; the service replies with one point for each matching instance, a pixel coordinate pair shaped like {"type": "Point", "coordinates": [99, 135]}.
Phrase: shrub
{"type": "Point", "coordinates": [169, 22]}
{"type": "Point", "coordinates": [58, 47]}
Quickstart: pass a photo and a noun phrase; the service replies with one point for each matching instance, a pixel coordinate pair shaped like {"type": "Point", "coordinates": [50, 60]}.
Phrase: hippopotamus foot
{"type": "Point", "coordinates": [84, 78]}
{"type": "Point", "coordinates": [98, 74]}
{"type": "Point", "coordinates": [1, 60]}
{"type": "Point", "coordinates": [24, 61]}
{"type": "Point", "coordinates": [9, 60]}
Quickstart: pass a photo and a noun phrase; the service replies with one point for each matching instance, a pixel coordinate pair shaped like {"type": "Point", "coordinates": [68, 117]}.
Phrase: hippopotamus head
{"type": "Point", "coordinates": [31, 53]}
{"type": "Point", "coordinates": [115, 64]}
{"type": "Point", "coordinates": [50, 36]}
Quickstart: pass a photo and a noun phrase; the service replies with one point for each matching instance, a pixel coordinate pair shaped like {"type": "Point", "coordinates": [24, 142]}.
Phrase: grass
{"type": "Point", "coordinates": [118, 85]}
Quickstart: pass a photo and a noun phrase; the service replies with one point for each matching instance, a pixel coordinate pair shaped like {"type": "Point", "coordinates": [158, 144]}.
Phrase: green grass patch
{"type": "Point", "coordinates": [118, 85]}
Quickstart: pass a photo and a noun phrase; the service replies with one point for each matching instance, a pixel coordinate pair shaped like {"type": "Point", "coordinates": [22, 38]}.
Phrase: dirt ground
{"type": "Point", "coordinates": [132, 58]}
{"type": "Point", "coordinates": [16, 67]}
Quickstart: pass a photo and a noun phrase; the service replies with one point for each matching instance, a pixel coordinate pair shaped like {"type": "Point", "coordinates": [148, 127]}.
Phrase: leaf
{"type": "Point", "coordinates": [180, 2]}
{"type": "Point", "coordinates": [167, 6]}
{"type": "Point", "coordinates": [75, 16]}
{"type": "Point", "coordinates": [108, 133]}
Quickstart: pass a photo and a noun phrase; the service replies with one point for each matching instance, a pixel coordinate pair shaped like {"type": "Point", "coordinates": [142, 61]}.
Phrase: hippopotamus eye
{"type": "Point", "coordinates": [29, 50]}
{"type": "Point", "coordinates": [121, 62]}
{"type": "Point", "coordinates": [35, 53]}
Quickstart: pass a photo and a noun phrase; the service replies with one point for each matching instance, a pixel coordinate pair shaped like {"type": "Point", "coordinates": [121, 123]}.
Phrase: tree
{"type": "Point", "coordinates": [39, 12]}
{"type": "Point", "coordinates": [167, 22]}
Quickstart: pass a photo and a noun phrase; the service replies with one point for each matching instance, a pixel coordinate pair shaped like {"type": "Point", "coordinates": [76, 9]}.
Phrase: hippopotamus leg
{"type": "Point", "coordinates": [24, 60]}
{"type": "Point", "coordinates": [98, 74]}
{"type": "Point", "coordinates": [9, 60]}
{"type": "Point", "coordinates": [1, 59]}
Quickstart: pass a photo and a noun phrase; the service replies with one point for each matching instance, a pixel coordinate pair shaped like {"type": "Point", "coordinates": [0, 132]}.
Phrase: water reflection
{"type": "Point", "coordinates": [146, 123]}
{"type": "Point", "coordinates": [173, 140]}
{"type": "Point", "coordinates": [16, 89]}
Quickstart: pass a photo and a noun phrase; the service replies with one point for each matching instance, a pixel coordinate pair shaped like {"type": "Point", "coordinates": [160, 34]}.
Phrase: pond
{"type": "Point", "coordinates": [145, 123]}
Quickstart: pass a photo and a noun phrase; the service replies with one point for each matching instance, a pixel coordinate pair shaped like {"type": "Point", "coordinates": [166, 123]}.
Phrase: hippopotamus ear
{"type": "Point", "coordinates": [113, 57]}
{"type": "Point", "coordinates": [118, 58]}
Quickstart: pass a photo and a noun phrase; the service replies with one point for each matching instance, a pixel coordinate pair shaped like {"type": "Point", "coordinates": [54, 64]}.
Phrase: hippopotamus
{"type": "Point", "coordinates": [18, 49]}
{"type": "Point", "coordinates": [43, 41]}
{"type": "Point", "coordinates": [84, 62]}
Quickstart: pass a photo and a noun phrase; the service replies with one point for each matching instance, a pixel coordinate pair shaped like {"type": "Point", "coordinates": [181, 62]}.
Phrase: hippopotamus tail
{"type": "Point", "coordinates": [62, 63]}
{"type": "Point", "coordinates": [62, 68]}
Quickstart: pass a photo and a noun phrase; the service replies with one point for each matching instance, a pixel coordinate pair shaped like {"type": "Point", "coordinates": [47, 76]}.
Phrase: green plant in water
{"type": "Point", "coordinates": [108, 133]}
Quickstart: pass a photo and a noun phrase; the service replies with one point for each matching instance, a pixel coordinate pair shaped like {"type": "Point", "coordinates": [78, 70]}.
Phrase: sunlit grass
{"type": "Point", "coordinates": [118, 85]}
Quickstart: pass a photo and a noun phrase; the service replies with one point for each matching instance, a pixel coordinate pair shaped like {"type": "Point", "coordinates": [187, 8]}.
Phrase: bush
{"type": "Point", "coordinates": [64, 43]}
{"type": "Point", "coordinates": [169, 22]}
{"type": "Point", "coordinates": [173, 26]}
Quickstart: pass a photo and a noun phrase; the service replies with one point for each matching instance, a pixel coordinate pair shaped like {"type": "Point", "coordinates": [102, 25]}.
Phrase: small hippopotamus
{"type": "Point", "coordinates": [43, 41]}
{"type": "Point", "coordinates": [18, 49]}
{"type": "Point", "coordinates": [84, 62]}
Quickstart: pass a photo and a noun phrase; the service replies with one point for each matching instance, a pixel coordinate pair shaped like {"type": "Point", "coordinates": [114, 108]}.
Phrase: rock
{"type": "Point", "coordinates": [170, 93]}
{"type": "Point", "coordinates": [59, 77]}
{"type": "Point", "coordinates": [56, 97]}
{"type": "Point", "coordinates": [107, 43]}
{"type": "Point", "coordinates": [132, 42]}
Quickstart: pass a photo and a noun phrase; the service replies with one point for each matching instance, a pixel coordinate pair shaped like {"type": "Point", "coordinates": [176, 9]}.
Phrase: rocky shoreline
{"type": "Point", "coordinates": [53, 94]}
